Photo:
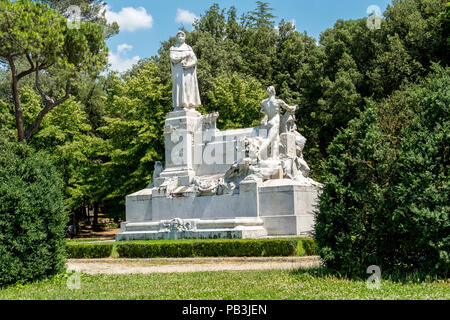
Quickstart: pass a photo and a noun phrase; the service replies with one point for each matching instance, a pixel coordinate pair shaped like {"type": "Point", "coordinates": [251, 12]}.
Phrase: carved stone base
{"type": "Point", "coordinates": [183, 177]}
{"type": "Point", "coordinates": [237, 228]}
{"type": "Point", "coordinates": [280, 207]}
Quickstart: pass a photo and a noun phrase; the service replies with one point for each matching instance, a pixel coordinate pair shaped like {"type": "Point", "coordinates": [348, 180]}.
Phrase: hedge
{"type": "Point", "coordinates": [213, 248]}
{"type": "Point", "coordinates": [79, 250]}
{"type": "Point", "coordinates": [309, 246]}
{"type": "Point", "coordinates": [151, 250]}
{"type": "Point", "coordinates": [193, 248]}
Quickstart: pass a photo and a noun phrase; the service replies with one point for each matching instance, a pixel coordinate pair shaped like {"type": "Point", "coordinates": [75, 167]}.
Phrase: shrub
{"type": "Point", "coordinates": [32, 217]}
{"type": "Point", "coordinates": [207, 248]}
{"type": "Point", "coordinates": [309, 246]}
{"type": "Point", "coordinates": [175, 250]}
{"type": "Point", "coordinates": [228, 248]}
{"type": "Point", "coordinates": [88, 250]}
{"type": "Point", "coordinates": [386, 196]}
{"type": "Point", "coordinates": [136, 250]}
{"type": "Point", "coordinates": [271, 248]}
{"type": "Point", "coordinates": [149, 249]}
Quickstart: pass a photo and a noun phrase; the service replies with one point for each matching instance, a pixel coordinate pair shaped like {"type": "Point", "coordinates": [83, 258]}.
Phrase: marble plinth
{"type": "Point", "coordinates": [275, 208]}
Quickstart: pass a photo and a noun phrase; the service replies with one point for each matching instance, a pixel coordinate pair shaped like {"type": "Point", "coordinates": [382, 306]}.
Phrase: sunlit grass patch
{"type": "Point", "coordinates": [264, 285]}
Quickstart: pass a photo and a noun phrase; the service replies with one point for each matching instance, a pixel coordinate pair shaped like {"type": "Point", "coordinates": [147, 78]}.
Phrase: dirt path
{"type": "Point", "coordinates": [144, 266]}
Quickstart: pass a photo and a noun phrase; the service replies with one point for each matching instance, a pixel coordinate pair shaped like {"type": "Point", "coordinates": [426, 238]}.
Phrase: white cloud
{"type": "Point", "coordinates": [130, 19]}
{"type": "Point", "coordinates": [119, 61]}
{"type": "Point", "coordinates": [121, 48]}
{"type": "Point", "coordinates": [185, 17]}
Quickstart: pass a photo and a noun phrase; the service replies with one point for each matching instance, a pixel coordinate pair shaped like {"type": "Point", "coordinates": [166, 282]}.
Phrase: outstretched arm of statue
{"type": "Point", "coordinates": [287, 107]}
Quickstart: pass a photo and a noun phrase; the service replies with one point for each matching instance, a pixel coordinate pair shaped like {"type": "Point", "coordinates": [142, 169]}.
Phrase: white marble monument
{"type": "Point", "coordinates": [245, 183]}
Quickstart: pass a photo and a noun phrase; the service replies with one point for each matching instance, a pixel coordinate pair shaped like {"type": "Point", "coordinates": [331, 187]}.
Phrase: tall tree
{"type": "Point", "coordinates": [412, 38]}
{"type": "Point", "coordinates": [445, 16]}
{"type": "Point", "coordinates": [262, 16]}
{"type": "Point", "coordinates": [234, 29]}
{"type": "Point", "coordinates": [213, 22]}
{"type": "Point", "coordinates": [39, 35]}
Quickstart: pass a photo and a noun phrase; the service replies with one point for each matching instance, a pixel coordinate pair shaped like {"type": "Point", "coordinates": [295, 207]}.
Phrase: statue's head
{"type": "Point", "coordinates": [271, 91]}
{"type": "Point", "coordinates": [181, 37]}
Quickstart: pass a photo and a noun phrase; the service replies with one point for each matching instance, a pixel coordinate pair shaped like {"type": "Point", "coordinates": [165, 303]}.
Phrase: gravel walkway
{"type": "Point", "coordinates": [145, 266]}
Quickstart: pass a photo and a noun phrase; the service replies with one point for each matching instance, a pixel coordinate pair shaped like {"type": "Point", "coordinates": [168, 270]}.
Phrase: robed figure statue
{"type": "Point", "coordinates": [185, 93]}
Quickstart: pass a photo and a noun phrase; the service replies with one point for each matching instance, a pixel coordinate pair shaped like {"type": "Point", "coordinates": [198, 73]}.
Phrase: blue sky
{"type": "Point", "coordinates": [146, 23]}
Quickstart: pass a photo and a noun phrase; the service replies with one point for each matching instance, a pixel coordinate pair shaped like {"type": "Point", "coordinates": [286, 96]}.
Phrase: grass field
{"type": "Point", "coordinates": [261, 285]}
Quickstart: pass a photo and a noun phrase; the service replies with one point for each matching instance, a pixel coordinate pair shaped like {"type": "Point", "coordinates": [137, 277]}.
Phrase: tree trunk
{"type": "Point", "coordinates": [95, 223]}
{"type": "Point", "coordinates": [79, 214]}
{"type": "Point", "coordinates": [17, 105]}
{"type": "Point", "coordinates": [87, 215]}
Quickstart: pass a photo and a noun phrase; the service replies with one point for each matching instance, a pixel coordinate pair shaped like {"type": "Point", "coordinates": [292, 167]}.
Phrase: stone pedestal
{"type": "Point", "coordinates": [279, 207]}
{"type": "Point", "coordinates": [179, 129]}
{"type": "Point", "coordinates": [287, 208]}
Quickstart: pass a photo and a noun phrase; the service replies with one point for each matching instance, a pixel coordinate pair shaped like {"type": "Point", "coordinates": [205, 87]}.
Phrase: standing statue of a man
{"type": "Point", "coordinates": [185, 93]}
{"type": "Point", "coordinates": [271, 110]}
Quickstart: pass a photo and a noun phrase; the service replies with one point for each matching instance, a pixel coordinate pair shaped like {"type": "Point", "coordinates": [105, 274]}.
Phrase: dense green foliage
{"type": "Point", "coordinates": [131, 249]}
{"type": "Point", "coordinates": [445, 16]}
{"type": "Point", "coordinates": [77, 250]}
{"type": "Point", "coordinates": [36, 39]}
{"type": "Point", "coordinates": [237, 100]}
{"type": "Point", "coordinates": [32, 216]}
{"type": "Point", "coordinates": [245, 248]}
{"type": "Point", "coordinates": [387, 186]}
{"type": "Point", "coordinates": [191, 248]}
{"type": "Point", "coordinates": [208, 248]}
{"type": "Point", "coordinates": [135, 109]}
{"type": "Point", "coordinates": [90, 10]}
{"type": "Point", "coordinates": [309, 247]}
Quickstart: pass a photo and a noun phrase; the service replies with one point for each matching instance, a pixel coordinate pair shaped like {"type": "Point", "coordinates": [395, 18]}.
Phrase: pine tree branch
{"type": "Point", "coordinates": [49, 105]}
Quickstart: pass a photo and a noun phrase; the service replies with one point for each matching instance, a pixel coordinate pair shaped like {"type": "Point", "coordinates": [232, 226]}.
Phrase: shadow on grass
{"type": "Point", "coordinates": [318, 272]}
{"type": "Point", "coordinates": [54, 277]}
{"type": "Point", "coordinates": [395, 277]}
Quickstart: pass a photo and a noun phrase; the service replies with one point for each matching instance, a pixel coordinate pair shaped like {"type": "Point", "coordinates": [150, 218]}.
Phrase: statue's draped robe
{"type": "Point", "coordinates": [185, 93]}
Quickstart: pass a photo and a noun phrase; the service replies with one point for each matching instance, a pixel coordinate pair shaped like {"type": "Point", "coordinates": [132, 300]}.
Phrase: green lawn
{"type": "Point", "coordinates": [246, 285]}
